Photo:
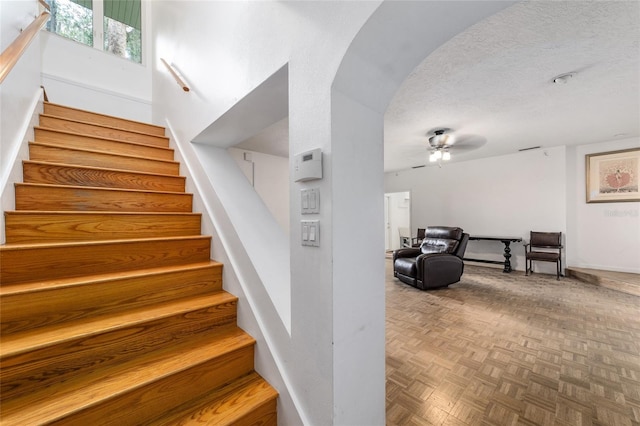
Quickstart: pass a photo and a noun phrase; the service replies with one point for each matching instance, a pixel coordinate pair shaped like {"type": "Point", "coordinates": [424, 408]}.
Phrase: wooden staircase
{"type": "Point", "coordinates": [111, 310]}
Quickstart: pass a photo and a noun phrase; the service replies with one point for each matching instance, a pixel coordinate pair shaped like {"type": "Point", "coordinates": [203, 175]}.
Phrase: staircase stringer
{"type": "Point", "coordinates": [239, 276]}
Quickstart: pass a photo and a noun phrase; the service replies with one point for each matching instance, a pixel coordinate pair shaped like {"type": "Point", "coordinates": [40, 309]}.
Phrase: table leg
{"type": "Point", "coordinates": [507, 256]}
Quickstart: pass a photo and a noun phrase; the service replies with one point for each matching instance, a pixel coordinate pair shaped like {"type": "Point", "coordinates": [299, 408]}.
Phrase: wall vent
{"type": "Point", "coordinates": [530, 148]}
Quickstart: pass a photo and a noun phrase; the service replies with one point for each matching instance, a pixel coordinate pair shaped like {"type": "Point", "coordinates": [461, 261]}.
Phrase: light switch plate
{"type": "Point", "coordinates": [310, 201]}
{"type": "Point", "coordinates": [310, 233]}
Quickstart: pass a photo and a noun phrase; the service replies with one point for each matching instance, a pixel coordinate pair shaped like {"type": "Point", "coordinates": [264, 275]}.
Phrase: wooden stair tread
{"type": "Point", "coordinates": [69, 244]}
{"type": "Point", "coordinates": [52, 133]}
{"type": "Point", "coordinates": [18, 343]}
{"type": "Point", "coordinates": [97, 188]}
{"type": "Point", "coordinates": [56, 401]}
{"type": "Point", "coordinates": [47, 197]}
{"type": "Point", "coordinates": [99, 158]}
{"type": "Point", "coordinates": [150, 174]}
{"type": "Point", "coordinates": [12, 289]}
{"type": "Point", "coordinates": [33, 226]}
{"type": "Point", "coordinates": [43, 261]}
{"type": "Point", "coordinates": [39, 172]}
{"type": "Point", "coordinates": [26, 306]}
{"type": "Point", "coordinates": [225, 406]}
{"type": "Point", "coordinates": [97, 151]}
{"type": "Point", "coordinates": [98, 118]}
{"type": "Point", "coordinates": [101, 125]}
{"type": "Point", "coordinates": [101, 213]}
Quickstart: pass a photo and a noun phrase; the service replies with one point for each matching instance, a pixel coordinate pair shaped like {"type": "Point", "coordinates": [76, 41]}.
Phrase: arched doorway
{"type": "Point", "coordinates": [397, 37]}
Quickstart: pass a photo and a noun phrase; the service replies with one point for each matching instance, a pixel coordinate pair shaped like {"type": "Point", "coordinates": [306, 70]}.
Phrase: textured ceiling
{"type": "Point", "coordinates": [492, 84]}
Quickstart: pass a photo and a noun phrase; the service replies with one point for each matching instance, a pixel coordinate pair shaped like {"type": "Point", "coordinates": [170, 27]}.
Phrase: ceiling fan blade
{"type": "Point", "coordinates": [467, 143]}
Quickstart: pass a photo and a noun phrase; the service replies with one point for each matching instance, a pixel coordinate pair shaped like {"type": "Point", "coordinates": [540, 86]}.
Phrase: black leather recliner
{"type": "Point", "coordinates": [436, 263]}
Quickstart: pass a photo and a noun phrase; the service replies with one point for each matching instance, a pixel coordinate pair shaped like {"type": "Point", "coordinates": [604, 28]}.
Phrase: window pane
{"type": "Point", "coordinates": [125, 11]}
{"type": "Point", "coordinates": [122, 28]}
{"type": "Point", "coordinates": [71, 19]}
{"type": "Point", "coordinates": [122, 40]}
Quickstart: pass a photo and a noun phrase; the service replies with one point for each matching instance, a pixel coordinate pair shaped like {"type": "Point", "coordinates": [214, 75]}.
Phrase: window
{"type": "Point", "coordinates": [110, 25]}
{"type": "Point", "coordinates": [122, 28]}
{"type": "Point", "coordinates": [73, 20]}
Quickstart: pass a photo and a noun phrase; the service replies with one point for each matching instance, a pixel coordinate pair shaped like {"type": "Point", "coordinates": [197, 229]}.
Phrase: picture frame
{"type": "Point", "coordinates": [613, 176]}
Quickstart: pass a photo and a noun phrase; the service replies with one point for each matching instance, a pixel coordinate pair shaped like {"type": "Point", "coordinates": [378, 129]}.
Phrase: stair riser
{"type": "Point", "coordinates": [53, 262]}
{"type": "Point", "coordinates": [38, 152]}
{"type": "Point", "coordinates": [105, 178]}
{"type": "Point", "coordinates": [24, 373]}
{"type": "Point", "coordinates": [58, 198]}
{"type": "Point", "coordinates": [65, 125]}
{"type": "Point", "coordinates": [91, 117]}
{"type": "Point", "coordinates": [166, 393]}
{"type": "Point", "coordinates": [116, 147]}
{"type": "Point", "coordinates": [59, 227]}
{"type": "Point", "coordinates": [37, 308]}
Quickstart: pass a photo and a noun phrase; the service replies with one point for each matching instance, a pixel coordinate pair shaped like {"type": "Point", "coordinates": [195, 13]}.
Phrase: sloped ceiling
{"type": "Point", "coordinates": [255, 114]}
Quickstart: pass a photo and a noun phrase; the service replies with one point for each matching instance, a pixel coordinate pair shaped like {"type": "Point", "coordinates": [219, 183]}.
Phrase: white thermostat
{"type": "Point", "coordinates": [308, 166]}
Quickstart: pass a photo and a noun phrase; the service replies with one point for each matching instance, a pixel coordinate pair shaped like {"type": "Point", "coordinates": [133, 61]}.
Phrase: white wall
{"type": "Point", "coordinates": [224, 50]}
{"type": "Point", "coordinates": [509, 195]}
{"type": "Point", "coordinates": [80, 76]}
{"type": "Point", "coordinates": [604, 235]}
{"type": "Point", "coordinates": [19, 99]}
{"type": "Point", "coordinates": [269, 175]}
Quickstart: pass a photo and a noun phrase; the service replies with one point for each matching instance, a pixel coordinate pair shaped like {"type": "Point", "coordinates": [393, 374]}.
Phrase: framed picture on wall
{"type": "Point", "coordinates": [613, 176]}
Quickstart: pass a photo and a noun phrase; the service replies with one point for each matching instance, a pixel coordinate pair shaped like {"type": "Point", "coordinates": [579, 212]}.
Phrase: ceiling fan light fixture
{"type": "Point", "coordinates": [439, 145]}
{"type": "Point", "coordinates": [440, 139]}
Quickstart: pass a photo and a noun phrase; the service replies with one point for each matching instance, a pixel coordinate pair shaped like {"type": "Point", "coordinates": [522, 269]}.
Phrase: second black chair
{"type": "Point", "coordinates": [417, 240]}
{"type": "Point", "coordinates": [544, 247]}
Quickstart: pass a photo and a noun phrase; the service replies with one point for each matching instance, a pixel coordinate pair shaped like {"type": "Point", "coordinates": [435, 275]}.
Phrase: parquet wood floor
{"type": "Point", "coordinates": [505, 349]}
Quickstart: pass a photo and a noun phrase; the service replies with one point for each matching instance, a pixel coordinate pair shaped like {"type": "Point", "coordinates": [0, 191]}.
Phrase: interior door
{"type": "Point", "coordinates": [397, 215]}
{"type": "Point", "coordinates": [387, 224]}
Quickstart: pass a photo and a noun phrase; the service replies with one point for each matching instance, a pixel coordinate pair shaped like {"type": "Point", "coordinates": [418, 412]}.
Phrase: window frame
{"type": "Point", "coordinates": [97, 8]}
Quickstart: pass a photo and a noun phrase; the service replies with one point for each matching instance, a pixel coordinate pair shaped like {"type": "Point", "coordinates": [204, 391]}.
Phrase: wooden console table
{"type": "Point", "coordinates": [507, 250]}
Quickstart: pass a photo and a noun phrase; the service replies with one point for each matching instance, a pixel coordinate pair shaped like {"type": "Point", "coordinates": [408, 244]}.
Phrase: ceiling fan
{"type": "Point", "coordinates": [442, 142]}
